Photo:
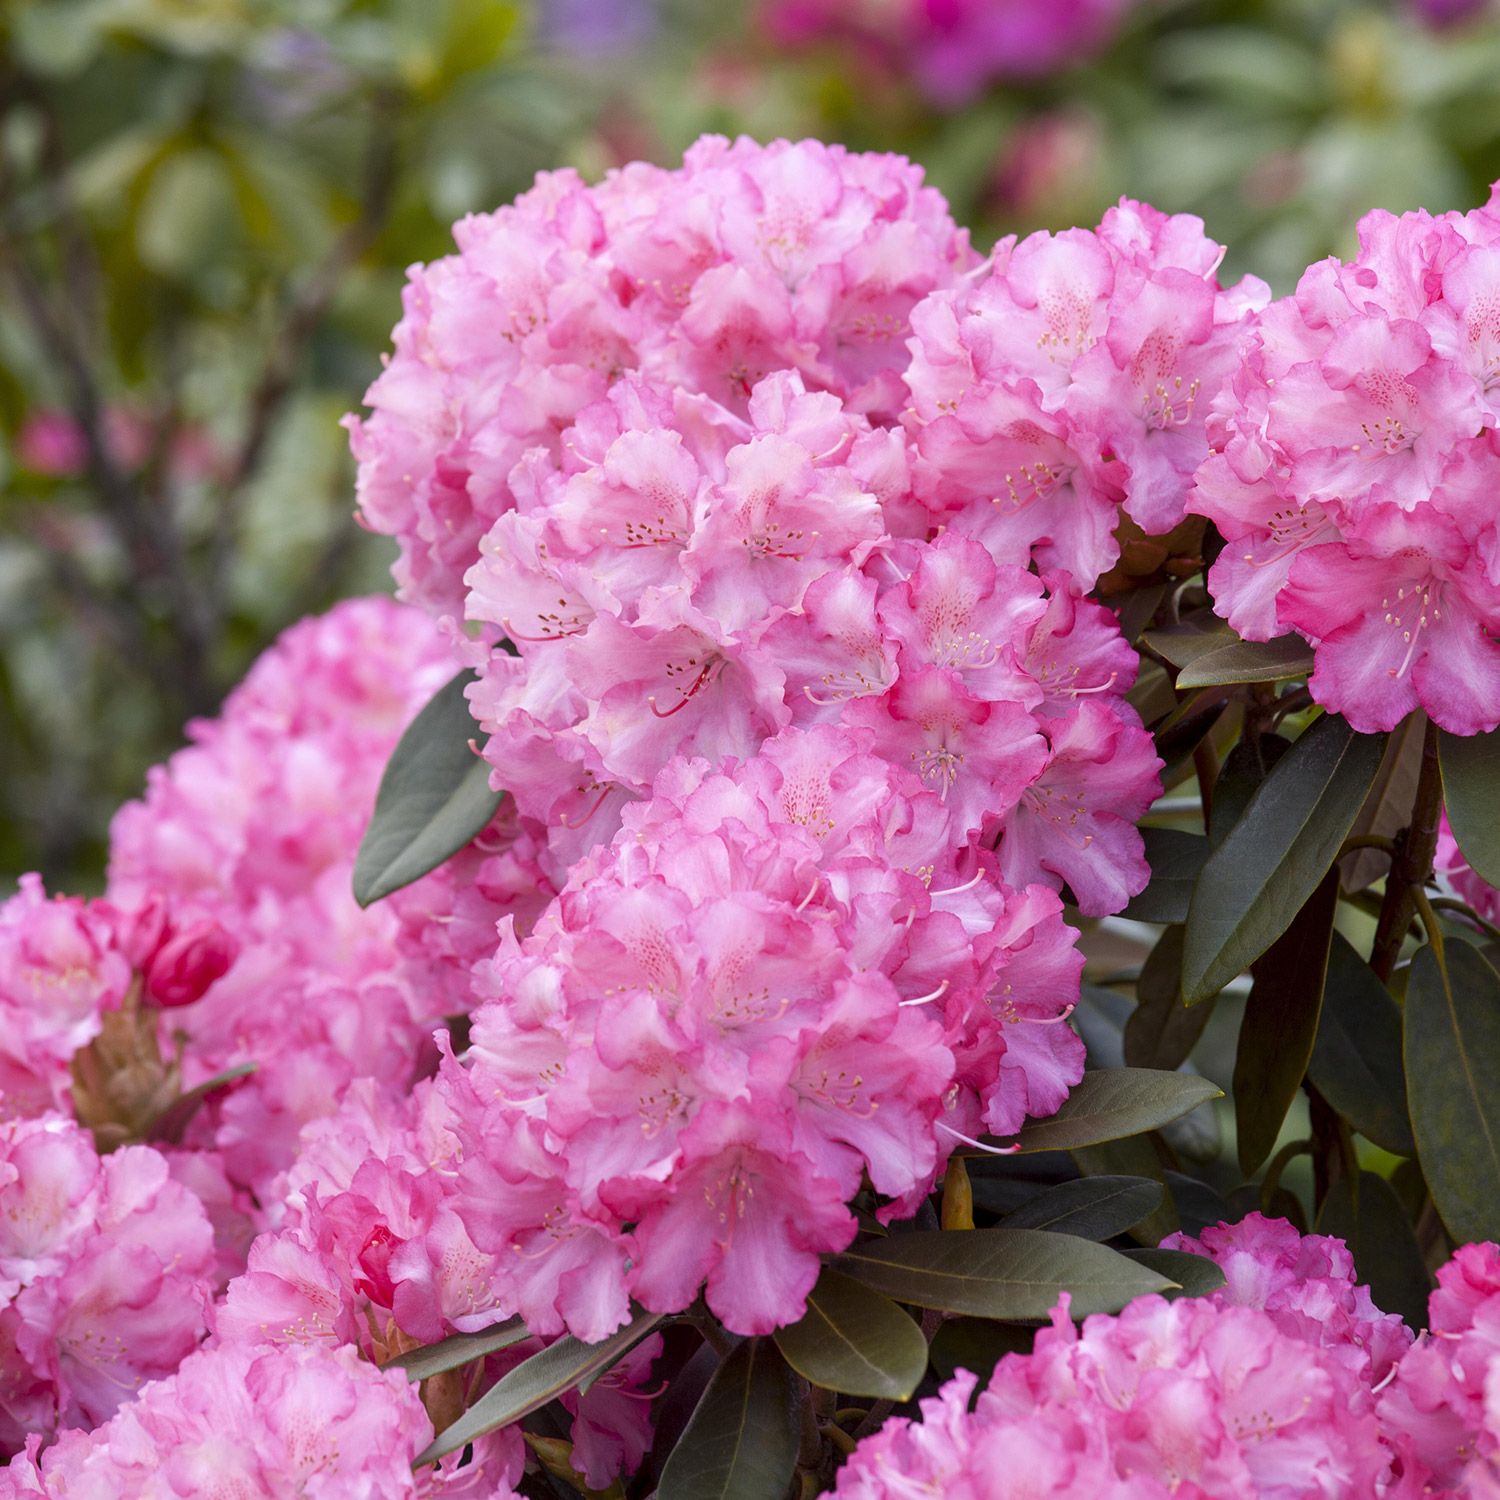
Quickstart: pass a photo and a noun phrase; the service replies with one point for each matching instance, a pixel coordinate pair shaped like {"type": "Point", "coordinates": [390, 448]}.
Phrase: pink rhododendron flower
{"type": "Point", "coordinates": [1073, 378]}
{"type": "Point", "coordinates": [761, 994]}
{"type": "Point", "coordinates": [1189, 1399]}
{"type": "Point", "coordinates": [1306, 1283]}
{"type": "Point", "coordinates": [1454, 868]}
{"type": "Point", "coordinates": [60, 969]}
{"type": "Point", "coordinates": [1354, 466]}
{"type": "Point", "coordinates": [263, 1421]}
{"type": "Point", "coordinates": [104, 1267]}
{"type": "Point", "coordinates": [955, 47]}
{"type": "Point", "coordinates": [745, 261]}
{"type": "Point", "coordinates": [689, 582]}
{"type": "Point", "coordinates": [1438, 1409]}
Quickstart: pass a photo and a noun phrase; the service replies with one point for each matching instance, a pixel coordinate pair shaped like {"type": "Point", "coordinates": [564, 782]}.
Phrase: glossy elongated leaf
{"type": "Point", "coordinates": [1195, 1275]}
{"type": "Point", "coordinates": [1452, 1055]}
{"type": "Point", "coordinates": [434, 797]}
{"type": "Point", "coordinates": [1356, 1059]}
{"type": "Point", "coordinates": [1379, 1235]}
{"type": "Point", "coordinates": [1199, 635]}
{"type": "Point", "coordinates": [854, 1340]}
{"type": "Point", "coordinates": [1175, 858]}
{"type": "Point", "coordinates": [170, 1125]}
{"type": "Point", "coordinates": [1133, 1156]}
{"type": "Point", "coordinates": [1280, 1024]}
{"type": "Point", "coordinates": [1471, 791]}
{"type": "Point", "coordinates": [998, 1273]}
{"type": "Point", "coordinates": [977, 1344]}
{"type": "Point", "coordinates": [1248, 661]}
{"type": "Point", "coordinates": [536, 1381]}
{"type": "Point", "coordinates": [1092, 1208]}
{"type": "Point", "coordinates": [457, 1351]}
{"type": "Point", "coordinates": [1108, 1103]}
{"type": "Point", "coordinates": [1388, 806]}
{"type": "Point", "coordinates": [1162, 1031]}
{"type": "Point", "coordinates": [1260, 877]}
{"type": "Point", "coordinates": [1245, 767]}
{"type": "Point", "coordinates": [741, 1441]}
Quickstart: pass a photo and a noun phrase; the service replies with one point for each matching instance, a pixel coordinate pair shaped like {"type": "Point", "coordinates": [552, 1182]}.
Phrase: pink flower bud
{"type": "Point", "coordinates": [141, 931]}
{"type": "Point", "coordinates": [186, 964]}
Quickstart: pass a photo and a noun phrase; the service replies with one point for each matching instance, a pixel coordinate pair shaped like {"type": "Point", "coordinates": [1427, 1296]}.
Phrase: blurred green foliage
{"type": "Point", "coordinates": [206, 207]}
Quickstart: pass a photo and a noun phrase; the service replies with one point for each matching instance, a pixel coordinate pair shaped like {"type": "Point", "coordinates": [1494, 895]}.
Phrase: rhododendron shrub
{"type": "Point", "coordinates": [619, 1027]}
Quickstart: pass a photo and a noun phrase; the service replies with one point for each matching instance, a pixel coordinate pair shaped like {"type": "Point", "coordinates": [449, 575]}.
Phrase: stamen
{"type": "Point", "coordinates": [969, 1140]}
{"type": "Point", "coordinates": [925, 999]}
{"type": "Point", "coordinates": [958, 890]}
{"type": "Point", "coordinates": [599, 802]}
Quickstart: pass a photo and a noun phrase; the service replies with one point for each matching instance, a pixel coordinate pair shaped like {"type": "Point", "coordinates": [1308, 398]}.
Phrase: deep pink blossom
{"type": "Point", "coordinates": [746, 261]}
{"type": "Point", "coordinates": [1188, 1399]}
{"type": "Point", "coordinates": [1072, 379]}
{"type": "Point", "coordinates": [1353, 472]}
{"type": "Point", "coordinates": [263, 1421]}
{"type": "Point", "coordinates": [751, 1002]}
{"type": "Point", "coordinates": [60, 969]}
{"type": "Point", "coordinates": [104, 1276]}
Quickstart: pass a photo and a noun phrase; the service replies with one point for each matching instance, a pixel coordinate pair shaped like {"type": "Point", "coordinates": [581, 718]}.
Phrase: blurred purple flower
{"type": "Point", "coordinates": [595, 27]}
{"type": "Point", "coordinates": [1449, 12]}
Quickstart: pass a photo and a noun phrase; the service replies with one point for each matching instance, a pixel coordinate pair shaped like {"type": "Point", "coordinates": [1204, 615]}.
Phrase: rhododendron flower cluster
{"type": "Point", "coordinates": [1356, 459]}
{"type": "Point", "coordinates": [780, 977]}
{"type": "Point", "coordinates": [1184, 1399]}
{"type": "Point", "coordinates": [253, 1420]}
{"type": "Point", "coordinates": [955, 47]}
{"type": "Point", "coordinates": [747, 261]}
{"type": "Point", "coordinates": [689, 582]}
{"type": "Point", "coordinates": [1443, 1407]}
{"type": "Point", "coordinates": [104, 1276]}
{"type": "Point", "coordinates": [1261, 1389]}
{"type": "Point", "coordinates": [1072, 378]}
{"type": "Point", "coordinates": [256, 824]}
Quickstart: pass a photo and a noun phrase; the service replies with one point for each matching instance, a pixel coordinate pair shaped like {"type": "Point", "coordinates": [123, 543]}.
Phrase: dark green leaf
{"type": "Point", "coordinates": [998, 1273]}
{"type": "Point", "coordinates": [854, 1340]}
{"type": "Point", "coordinates": [977, 1344]}
{"type": "Point", "coordinates": [1136, 608]}
{"type": "Point", "coordinates": [741, 1443]}
{"type": "Point", "coordinates": [1356, 1060]}
{"type": "Point", "coordinates": [1112, 1102]}
{"type": "Point", "coordinates": [434, 797]}
{"type": "Point", "coordinates": [1132, 1156]}
{"type": "Point", "coordinates": [1260, 877]}
{"type": "Point", "coordinates": [1175, 858]}
{"type": "Point", "coordinates": [1280, 1024]}
{"type": "Point", "coordinates": [1177, 737]}
{"type": "Point", "coordinates": [1471, 790]}
{"type": "Point", "coordinates": [174, 1120]}
{"type": "Point", "coordinates": [1245, 767]}
{"type": "Point", "coordinates": [536, 1381]}
{"type": "Point", "coordinates": [1093, 1208]}
{"type": "Point", "coordinates": [1379, 1235]}
{"type": "Point", "coordinates": [460, 1349]}
{"type": "Point", "coordinates": [1248, 661]}
{"type": "Point", "coordinates": [1152, 696]}
{"type": "Point", "coordinates": [1198, 635]}
{"type": "Point", "coordinates": [1195, 1275]}
{"type": "Point", "coordinates": [1162, 1031]}
{"type": "Point", "coordinates": [1452, 1055]}
{"type": "Point", "coordinates": [1198, 1205]}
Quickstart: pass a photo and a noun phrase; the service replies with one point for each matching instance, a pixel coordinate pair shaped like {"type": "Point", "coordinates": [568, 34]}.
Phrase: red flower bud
{"type": "Point", "coordinates": [184, 966]}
